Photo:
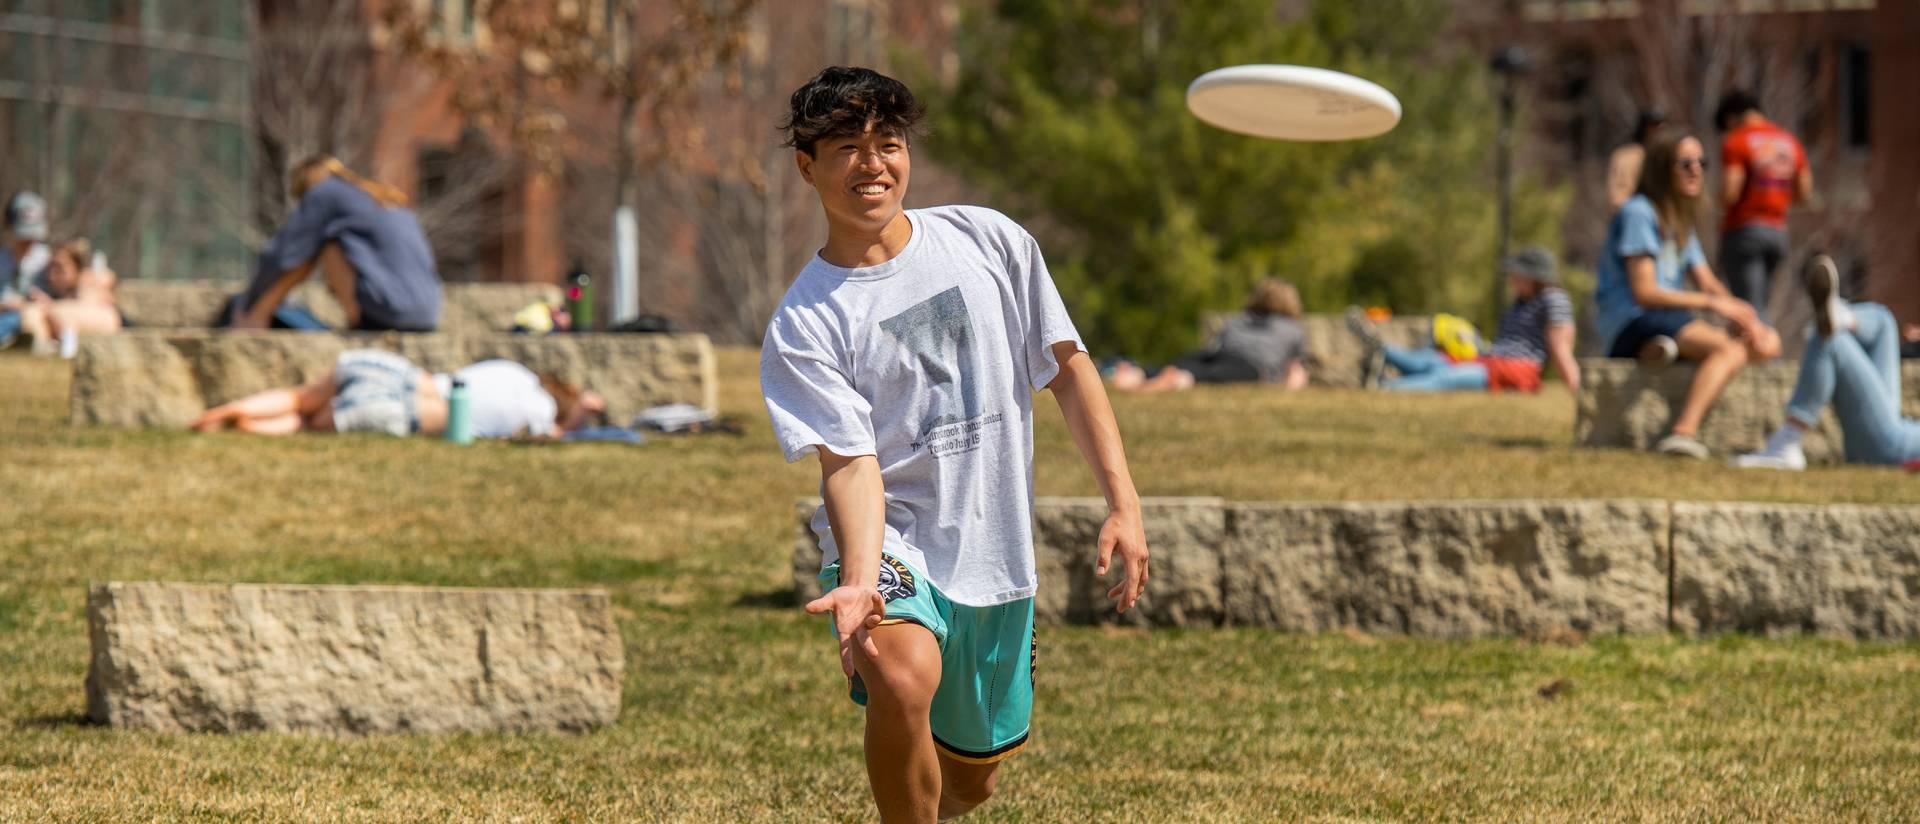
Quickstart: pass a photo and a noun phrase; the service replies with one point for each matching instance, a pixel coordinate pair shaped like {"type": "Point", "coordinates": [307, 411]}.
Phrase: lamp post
{"type": "Point", "coordinates": [1510, 63]}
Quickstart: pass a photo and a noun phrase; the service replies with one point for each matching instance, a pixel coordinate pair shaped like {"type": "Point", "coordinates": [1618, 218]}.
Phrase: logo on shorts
{"type": "Point", "coordinates": [896, 578]}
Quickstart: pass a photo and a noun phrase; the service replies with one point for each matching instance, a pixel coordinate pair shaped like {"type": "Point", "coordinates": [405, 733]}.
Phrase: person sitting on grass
{"type": "Point", "coordinates": [370, 390]}
{"type": "Point", "coordinates": [1263, 344]}
{"type": "Point", "coordinates": [1853, 363]}
{"type": "Point", "coordinates": [1538, 327]}
{"type": "Point", "coordinates": [359, 236]}
{"type": "Point", "coordinates": [78, 299]}
{"type": "Point", "coordinates": [1645, 307]}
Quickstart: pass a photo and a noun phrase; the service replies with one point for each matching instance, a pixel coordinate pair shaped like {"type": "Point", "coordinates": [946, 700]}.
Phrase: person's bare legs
{"type": "Point", "coordinates": [1720, 357]}
{"type": "Point", "coordinates": [259, 314]}
{"type": "Point", "coordinates": [340, 281]}
{"type": "Point", "coordinates": [1128, 376]}
{"type": "Point", "coordinates": [964, 786]}
{"type": "Point", "coordinates": [902, 764]}
{"type": "Point", "coordinates": [272, 412]}
{"type": "Point", "coordinates": [1170, 379]}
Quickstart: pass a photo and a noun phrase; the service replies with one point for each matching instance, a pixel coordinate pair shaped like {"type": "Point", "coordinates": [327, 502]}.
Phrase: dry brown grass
{"type": "Point", "coordinates": [733, 709]}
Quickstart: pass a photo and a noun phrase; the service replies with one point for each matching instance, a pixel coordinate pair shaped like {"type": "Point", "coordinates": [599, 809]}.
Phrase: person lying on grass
{"type": "Point", "coordinates": [1263, 344]}
{"type": "Point", "coordinates": [1537, 327]}
{"type": "Point", "coordinates": [370, 390]}
{"type": "Point", "coordinates": [906, 355]}
{"type": "Point", "coordinates": [1852, 364]}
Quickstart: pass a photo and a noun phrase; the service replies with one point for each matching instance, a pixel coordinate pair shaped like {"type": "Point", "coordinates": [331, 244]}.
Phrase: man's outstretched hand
{"type": "Point", "coordinates": [855, 611]}
{"type": "Point", "coordinates": [1123, 532]}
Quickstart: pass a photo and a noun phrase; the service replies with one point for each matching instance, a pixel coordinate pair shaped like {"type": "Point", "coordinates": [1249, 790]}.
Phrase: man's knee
{"type": "Point", "coordinates": [970, 794]}
{"type": "Point", "coordinates": [903, 679]}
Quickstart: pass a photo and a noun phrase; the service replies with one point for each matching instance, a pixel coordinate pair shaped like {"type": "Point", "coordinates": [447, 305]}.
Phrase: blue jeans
{"type": "Point", "coordinates": [9, 324]}
{"type": "Point", "coordinates": [1859, 373]}
{"type": "Point", "coordinates": [1427, 370]}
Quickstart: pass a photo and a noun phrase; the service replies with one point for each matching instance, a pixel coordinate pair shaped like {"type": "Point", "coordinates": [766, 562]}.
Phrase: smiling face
{"type": "Point", "coordinates": [861, 180]}
{"type": "Point", "coordinates": [1689, 168]}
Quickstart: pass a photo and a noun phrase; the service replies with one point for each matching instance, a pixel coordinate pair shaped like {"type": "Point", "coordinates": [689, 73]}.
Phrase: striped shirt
{"type": "Point", "coordinates": [1523, 327]}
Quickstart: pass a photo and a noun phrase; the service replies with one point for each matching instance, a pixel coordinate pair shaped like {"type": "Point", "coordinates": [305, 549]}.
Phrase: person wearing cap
{"type": "Point", "coordinates": [1535, 329]}
{"type": "Point", "coordinates": [23, 260]}
{"type": "Point", "coordinates": [1623, 166]}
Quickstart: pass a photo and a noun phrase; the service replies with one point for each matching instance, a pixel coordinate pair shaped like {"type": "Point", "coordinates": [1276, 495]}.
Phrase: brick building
{"type": "Point", "coordinates": [1832, 71]}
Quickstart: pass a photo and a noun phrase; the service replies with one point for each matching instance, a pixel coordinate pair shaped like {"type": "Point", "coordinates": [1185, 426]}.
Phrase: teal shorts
{"type": "Point", "coordinates": [984, 705]}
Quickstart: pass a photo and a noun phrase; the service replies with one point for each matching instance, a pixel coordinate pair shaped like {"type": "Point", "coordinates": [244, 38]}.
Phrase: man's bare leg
{"type": "Point", "coordinates": [902, 764]}
{"type": "Point", "coordinates": [340, 281]}
{"type": "Point", "coordinates": [964, 786]}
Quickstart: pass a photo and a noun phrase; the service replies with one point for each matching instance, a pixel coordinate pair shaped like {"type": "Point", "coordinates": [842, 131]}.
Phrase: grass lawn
{"type": "Point", "coordinates": [733, 703]}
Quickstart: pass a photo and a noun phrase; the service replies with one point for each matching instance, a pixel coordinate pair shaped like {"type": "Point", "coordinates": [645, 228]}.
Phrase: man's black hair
{"type": "Point", "coordinates": [1651, 118]}
{"type": "Point", "coordinates": [843, 101]}
{"type": "Point", "coordinates": [1732, 106]}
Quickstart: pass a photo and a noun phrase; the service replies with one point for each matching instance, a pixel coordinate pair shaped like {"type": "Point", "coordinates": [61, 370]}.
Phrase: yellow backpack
{"type": "Point", "coordinates": [1456, 336]}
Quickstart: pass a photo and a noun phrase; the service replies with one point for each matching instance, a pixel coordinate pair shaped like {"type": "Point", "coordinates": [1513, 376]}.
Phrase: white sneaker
{"type": "Point", "coordinates": [1659, 351]}
{"type": "Point", "coordinates": [1790, 458]}
{"type": "Point", "coordinates": [1682, 446]}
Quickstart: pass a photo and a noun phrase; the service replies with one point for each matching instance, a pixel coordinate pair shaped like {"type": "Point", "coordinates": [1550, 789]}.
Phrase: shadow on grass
{"type": "Point", "coordinates": [770, 599]}
{"type": "Point", "coordinates": [56, 721]}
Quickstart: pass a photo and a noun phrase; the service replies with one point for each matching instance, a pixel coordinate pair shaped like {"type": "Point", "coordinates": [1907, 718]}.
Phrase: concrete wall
{"type": "Point", "coordinates": [194, 304]}
{"type": "Point", "coordinates": [1475, 568]}
{"type": "Point", "coordinates": [165, 378]}
{"type": "Point", "coordinates": [1623, 405]}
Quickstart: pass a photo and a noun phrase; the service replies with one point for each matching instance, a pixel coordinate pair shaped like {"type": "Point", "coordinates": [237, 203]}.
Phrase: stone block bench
{"type": "Point", "coordinates": [1623, 405]}
{"type": "Point", "coordinates": [1476, 568]}
{"type": "Point", "coordinates": [164, 378]}
{"type": "Point", "coordinates": [1336, 355]}
{"type": "Point", "coordinates": [351, 659]}
{"type": "Point", "coordinates": [194, 304]}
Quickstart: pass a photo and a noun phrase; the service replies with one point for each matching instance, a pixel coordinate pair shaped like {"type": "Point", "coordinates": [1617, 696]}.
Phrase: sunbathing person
{"type": "Point", "coordinates": [78, 299]}
{"type": "Point", "coordinates": [1536, 328]}
{"type": "Point", "coordinates": [1263, 344]}
{"type": "Point", "coordinates": [1852, 363]}
{"type": "Point", "coordinates": [370, 390]}
{"type": "Point", "coordinates": [359, 235]}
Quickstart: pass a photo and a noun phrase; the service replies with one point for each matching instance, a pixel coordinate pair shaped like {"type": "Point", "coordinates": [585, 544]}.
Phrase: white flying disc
{"type": "Point", "coordinates": [1293, 103]}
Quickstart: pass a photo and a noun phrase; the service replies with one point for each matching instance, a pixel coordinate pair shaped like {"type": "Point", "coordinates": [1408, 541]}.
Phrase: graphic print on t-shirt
{"type": "Point", "coordinates": [938, 333]}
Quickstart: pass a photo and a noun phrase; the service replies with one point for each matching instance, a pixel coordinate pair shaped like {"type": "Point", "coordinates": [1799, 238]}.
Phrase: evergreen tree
{"type": "Point", "coordinates": [1071, 114]}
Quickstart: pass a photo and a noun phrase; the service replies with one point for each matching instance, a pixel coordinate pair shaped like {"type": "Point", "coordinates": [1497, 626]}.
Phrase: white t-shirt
{"type": "Point", "coordinates": [503, 398]}
{"type": "Point", "coordinates": [929, 362]}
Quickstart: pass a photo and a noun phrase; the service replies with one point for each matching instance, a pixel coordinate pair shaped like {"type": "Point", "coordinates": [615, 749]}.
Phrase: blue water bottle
{"type": "Point", "coordinates": [459, 416]}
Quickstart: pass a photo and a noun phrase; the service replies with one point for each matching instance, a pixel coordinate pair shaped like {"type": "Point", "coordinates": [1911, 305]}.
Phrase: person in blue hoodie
{"type": "Point", "coordinates": [360, 236]}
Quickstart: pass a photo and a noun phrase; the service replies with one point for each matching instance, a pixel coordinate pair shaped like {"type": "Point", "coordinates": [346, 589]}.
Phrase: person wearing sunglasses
{"type": "Point", "coordinates": [1647, 309]}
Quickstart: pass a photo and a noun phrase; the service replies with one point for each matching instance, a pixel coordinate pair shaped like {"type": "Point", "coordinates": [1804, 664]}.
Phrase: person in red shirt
{"type": "Point", "coordinates": [1764, 170]}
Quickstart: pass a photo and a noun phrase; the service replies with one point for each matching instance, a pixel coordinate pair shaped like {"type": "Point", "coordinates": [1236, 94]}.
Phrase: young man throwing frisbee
{"type": "Point", "coordinates": [906, 355]}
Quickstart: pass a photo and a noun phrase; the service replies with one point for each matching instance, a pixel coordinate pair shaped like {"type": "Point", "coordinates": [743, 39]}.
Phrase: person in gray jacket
{"type": "Point", "coordinates": [1263, 344]}
{"type": "Point", "coordinates": [359, 235]}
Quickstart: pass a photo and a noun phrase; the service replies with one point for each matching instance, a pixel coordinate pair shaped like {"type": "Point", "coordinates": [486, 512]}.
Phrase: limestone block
{"type": "Point", "coordinates": [1336, 356]}
{"type": "Point", "coordinates": [195, 304]}
{"type": "Point", "coordinates": [1184, 536]}
{"type": "Point", "coordinates": [165, 377]}
{"type": "Point", "coordinates": [180, 657]}
{"type": "Point", "coordinates": [1779, 568]}
{"type": "Point", "coordinates": [1448, 568]}
{"type": "Point", "coordinates": [1623, 405]}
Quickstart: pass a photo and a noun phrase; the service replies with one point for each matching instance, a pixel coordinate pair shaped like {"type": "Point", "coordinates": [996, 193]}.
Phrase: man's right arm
{"type": "Point", "coordinates": [856, 512]}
